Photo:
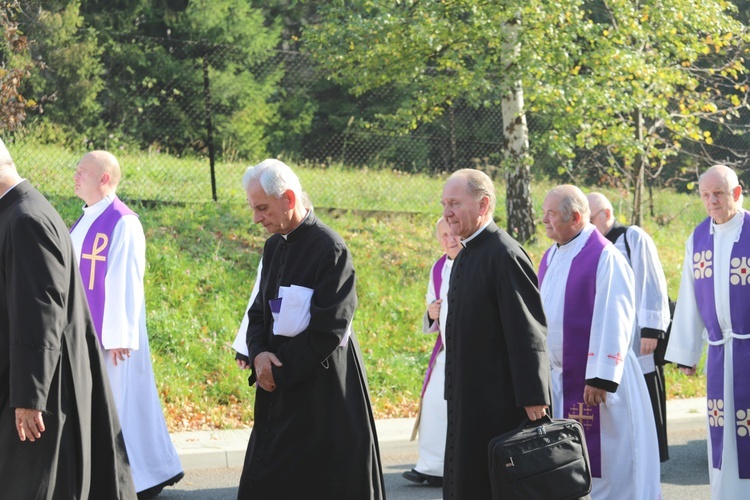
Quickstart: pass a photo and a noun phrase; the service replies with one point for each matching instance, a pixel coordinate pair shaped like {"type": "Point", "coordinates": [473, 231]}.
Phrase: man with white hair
{"type": "Point", "coordinates": [314, 432]}
{"type": "Point", "coordinates": [714, 304]}
{"type": "Point", "coordinates": [587, 292]}
{"type": "Point", "coordinates": [651, 304]}
{"type": "Point", "coordinates": [111, 249]}
{"type": "Point", "coordinates": [59, 431]}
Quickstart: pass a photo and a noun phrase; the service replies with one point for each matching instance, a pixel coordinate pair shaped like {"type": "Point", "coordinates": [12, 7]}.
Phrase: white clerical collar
{"type": "Point", "coordinates": [464, 242]}
{"type": "Point", "coordinates": [11, 188]}
{"type": "Point", "coordinates": [298, 225]}
{"type": "Point", "coordinates": [733, 224]}
{"type": "Point", "coordinates": [97, 208]}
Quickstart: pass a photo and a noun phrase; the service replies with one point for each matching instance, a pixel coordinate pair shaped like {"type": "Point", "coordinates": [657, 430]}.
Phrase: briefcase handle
{"type": "Point", "coordinates": [528, 424]}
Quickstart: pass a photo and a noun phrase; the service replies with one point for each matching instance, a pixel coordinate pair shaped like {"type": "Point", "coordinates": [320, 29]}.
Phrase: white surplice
{"type": "Point", "coordinates": [153, 458]}
{"type": "Point", "coordinates": [651, 298]}
{"type": "Point", "coordinates": [630, 455]}
{"type": "Point", "coordinates": [433, 419]}
{"type": "Point", "coordinates": [240, 340]}
{"type": "Point", "coordinates": [687, 340]}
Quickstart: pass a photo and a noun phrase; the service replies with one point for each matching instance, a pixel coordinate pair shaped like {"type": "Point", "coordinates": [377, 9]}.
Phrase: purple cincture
{"type": "Point", "coordinates": [580, 292]}
{"type": "Point", "coordinates": [437, 281]}
{"type": "Point", "coordinates": [739, 298]}
{"type": "Point", "coordinates": [94, 254]}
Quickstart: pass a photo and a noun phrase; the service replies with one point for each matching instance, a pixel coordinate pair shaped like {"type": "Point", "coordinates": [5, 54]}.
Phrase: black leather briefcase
{"type": "Point", "coordinates": [545, 459]}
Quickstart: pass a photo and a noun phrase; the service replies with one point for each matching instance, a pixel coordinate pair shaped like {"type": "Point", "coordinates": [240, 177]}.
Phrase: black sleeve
{"type": "Point", "coordinates": [652, 333]}
{"type": "Point", "coordinates": [600, 383]}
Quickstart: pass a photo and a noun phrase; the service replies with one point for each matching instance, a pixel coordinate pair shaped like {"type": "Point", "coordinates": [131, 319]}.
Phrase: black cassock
{"type": "Point", "coordinates": [314, 436]}
{"type": "Point", "coordinates": [496, 355]}
{"type": "Point", "coordinates": [50, 360]}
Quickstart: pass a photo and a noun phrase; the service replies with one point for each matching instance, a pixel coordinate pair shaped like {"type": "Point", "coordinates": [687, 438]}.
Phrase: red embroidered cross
{"type": "Point", "coordinates": [591, 354]}
{"type": "Point", "coordinates": [616, 357]}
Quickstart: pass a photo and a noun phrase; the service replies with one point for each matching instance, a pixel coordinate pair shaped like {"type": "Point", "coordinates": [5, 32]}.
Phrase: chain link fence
{"type": "Point", "coordinates": [186, 118]}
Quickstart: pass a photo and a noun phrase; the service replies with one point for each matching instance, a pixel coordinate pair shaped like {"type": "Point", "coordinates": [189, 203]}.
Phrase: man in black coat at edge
{"type": "Point", "coordinates": [497, 369]}
{"type": "Point", "coordinates": [60, 436]}
{"type": "Point", "coordinates": [314, 433]}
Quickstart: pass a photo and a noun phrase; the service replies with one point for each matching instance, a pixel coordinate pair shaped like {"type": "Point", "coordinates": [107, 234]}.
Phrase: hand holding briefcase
{"type": "Point", "coordinates": [545, 459]}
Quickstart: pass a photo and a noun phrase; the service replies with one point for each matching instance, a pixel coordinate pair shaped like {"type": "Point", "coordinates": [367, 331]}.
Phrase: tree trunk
{"type": "Point", "coordinates": [516, 151]}
{"type": "Point", "coordinates": [517, 173]}
{"type": "Point", "coordinates": [640, 170]}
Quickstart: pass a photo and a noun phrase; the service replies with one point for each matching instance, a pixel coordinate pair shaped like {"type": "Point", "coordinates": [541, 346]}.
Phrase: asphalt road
{"type": "Point", "coordinates": [684, 476]}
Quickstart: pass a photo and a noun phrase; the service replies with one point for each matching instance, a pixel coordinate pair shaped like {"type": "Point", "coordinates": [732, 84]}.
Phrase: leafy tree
{"type": "Point", "coordinates": [443, 52]}
{"type": "Point", "coordinates": [634, 82]}
{"type": "Point", "coordinates": [181, 63]}
{"type": "Point", "coordinates": [73, 71]}
{"type": "Point", "coordinates": [626, 81]}
{"type": "Point", "coordinates": [16, 66]}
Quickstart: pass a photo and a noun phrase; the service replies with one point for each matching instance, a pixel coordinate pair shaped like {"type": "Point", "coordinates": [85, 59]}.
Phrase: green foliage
{"type": "Point", "coordinates": [588, 70]}
{"type": "Point", "coordinates": [202, 260]}
{"type": "Point", "coordinates": [73, 72]}
{"type": "Point", "coordinates": [16, 67]}
{"type": "Point", "coordinates": [679, 63]}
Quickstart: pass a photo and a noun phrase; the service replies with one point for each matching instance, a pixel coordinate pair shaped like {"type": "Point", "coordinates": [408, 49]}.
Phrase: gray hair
{"type": "Point", "coordinates": [274, 176]}
{"type": "Point", "coordinates": [479, 185]}
{"type": "Point", "coordinates": [572, 200]}
{"type": "Point", "coordinates": [437, 226]}
{"type": "Point", "coordinates": [6, 161]}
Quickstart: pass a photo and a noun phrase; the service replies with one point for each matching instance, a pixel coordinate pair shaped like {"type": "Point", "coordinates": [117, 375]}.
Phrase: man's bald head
{"type": "Point", "coordinates": [97, 175]}
{"type": "Point", "coordinates": [720, 192]}
{"type": "Point", "coordinates": [602, 213]}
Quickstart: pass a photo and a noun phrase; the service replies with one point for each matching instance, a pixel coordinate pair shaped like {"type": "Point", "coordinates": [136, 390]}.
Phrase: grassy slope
{"type": "Point", "coordinates": [201, 266]}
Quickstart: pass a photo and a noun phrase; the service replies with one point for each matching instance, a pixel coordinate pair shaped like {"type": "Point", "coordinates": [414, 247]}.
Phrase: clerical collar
{"type": "Point", "coordinates": [476, 233]}
{"type": "Point", "coordinates": [99, 206]}
{"type": "Point", "coordinates": [571, 239]}
{"type": "Point", "coordinates": [298, 225]}
{"type": "Point", "coordinates": [11, 188]}
{"type": "Point", "coordinates": [735, 223]}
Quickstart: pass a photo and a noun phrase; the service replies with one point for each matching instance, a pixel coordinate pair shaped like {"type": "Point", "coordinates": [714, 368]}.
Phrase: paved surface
{"type": "Point", "coordinates": [219, 449]}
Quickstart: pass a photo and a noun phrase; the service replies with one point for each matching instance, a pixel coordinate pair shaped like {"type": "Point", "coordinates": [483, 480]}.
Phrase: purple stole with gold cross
{"type": "Point", "coordinates": [437, 281]}
{"type": "Point", "coordinates": [739, 305]}
{"type": "Point", "coordinates": [94, 253]}
{"type": "Point", "coordinates": [580, 292]}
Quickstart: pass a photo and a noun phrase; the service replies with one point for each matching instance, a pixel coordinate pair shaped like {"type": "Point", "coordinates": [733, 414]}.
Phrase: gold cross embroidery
{"type": "Point", "coordinates": [100, 243]}
{"type": "Point", "coordinates": [580, 416]}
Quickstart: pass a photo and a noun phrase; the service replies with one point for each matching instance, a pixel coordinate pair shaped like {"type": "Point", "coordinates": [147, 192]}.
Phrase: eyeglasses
{"type": "Point", "coordinates": [597, 214]}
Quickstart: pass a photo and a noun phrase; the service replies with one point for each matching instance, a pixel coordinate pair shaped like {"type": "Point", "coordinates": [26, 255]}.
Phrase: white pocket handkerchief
{"type": "Point", "coordinates": [294, 313]}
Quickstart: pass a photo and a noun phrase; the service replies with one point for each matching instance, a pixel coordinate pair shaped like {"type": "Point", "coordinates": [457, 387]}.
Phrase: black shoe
{"type": "Point", "coordinates": [154, 491]}
{"type": "Point", "coordinates": [418, 477]}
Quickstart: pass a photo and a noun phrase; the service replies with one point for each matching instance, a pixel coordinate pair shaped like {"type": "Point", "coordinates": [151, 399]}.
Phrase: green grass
{"type": "Point", "coordinates": [201, 267]}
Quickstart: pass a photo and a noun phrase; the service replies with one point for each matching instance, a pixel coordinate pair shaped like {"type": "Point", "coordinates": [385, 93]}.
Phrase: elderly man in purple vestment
{"type": "Point", "coordinates": [714, 305]}
{"type": "Point", "coordinates": [431, 420]}
{"type": "Point", "coordinates": [587, 292]}
{"type": "Point", "coordinates": [111, 249]}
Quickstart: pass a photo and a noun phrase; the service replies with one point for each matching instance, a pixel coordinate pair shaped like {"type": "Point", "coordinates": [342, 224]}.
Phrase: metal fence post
{"type": "Point", "coordinates": [209, 123]}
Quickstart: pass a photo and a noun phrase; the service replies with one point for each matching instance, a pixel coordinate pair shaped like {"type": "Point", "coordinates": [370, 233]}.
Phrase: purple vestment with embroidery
{"type": "Point", "coordinates": [437, 281]}
{"type": "Point", "coordinates": [94, 254]}
{"type": "Point", "coordinates": [739, 306]}
{"type": "Point", "coordinates": [580, 292]}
